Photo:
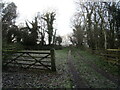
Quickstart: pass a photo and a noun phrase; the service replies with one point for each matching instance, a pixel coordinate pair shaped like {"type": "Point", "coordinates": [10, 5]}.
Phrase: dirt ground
{"type": "Point", "coordinates": [104, 73]}
{"type": "Point", "coordinates": [67, 75]}
{"type": "Point", "coordinates": [78, 82]}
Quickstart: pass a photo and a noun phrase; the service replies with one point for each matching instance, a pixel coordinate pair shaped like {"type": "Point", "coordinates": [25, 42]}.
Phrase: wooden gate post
{"type": "Point", "coordinates": [53, 67]}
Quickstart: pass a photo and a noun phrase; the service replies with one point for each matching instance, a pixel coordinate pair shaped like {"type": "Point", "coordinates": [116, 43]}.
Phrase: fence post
{"type": "Point", "coordinates": [53, 67]}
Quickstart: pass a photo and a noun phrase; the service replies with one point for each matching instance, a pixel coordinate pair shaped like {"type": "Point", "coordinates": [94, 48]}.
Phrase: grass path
{"type": "Point", "coordinates": [78, 82]}
{"type": "Point", "coordinates": [75, 65]}
{"type": "Point", "coordinates": [99, 70]}
{"type": "Point", "coordinates": [90, 73]}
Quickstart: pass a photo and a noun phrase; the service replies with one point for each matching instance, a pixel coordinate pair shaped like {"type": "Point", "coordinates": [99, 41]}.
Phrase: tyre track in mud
{"type": "Point", "coordinates": [77, 81]}
{"type": "Point", "coordinates": [107, 75]}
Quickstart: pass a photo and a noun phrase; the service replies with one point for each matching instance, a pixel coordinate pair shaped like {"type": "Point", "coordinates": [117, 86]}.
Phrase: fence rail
{"type": "Point", "coordinates": [30, 59]}
{"type": "Point", "coordinates": [111, 55]}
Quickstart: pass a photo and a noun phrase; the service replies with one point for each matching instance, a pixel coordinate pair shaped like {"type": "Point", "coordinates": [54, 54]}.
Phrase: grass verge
{"type": "Point", "coordinates": [61, 59]}
{"type": "Point", "coordinates": [93, 78]}
{"type": "Point", "coordinates": [100, 62]}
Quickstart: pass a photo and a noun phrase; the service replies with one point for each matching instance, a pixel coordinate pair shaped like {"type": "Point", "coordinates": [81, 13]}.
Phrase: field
{"type": "Point", "coordinates": [75, 69]}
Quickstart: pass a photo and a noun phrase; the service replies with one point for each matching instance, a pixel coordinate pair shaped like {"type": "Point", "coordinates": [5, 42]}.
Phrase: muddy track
{"type": "Point", "coordinates": [78, 82]}
{"type": "Point", "coordinates": [107, 75]}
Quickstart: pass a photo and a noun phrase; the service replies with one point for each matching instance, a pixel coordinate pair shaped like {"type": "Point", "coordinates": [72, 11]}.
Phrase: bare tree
{"type": "Point", "coordinates": [98, 22]}
{"type": "Point", "coordinates": [49, 18]}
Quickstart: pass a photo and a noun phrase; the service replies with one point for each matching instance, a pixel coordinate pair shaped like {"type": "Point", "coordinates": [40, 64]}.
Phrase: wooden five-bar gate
{"type": "Point", "coordinates": [30, 59]}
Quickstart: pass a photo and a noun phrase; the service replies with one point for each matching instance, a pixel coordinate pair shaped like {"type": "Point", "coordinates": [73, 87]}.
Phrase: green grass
{"type": "Point", "coordinates": [47, 79]}
{"type": "Point", "coordinates": [100, 62]}
{"type": "Point", "coordinates": [63, 81]}
{"type": "Point", "coordinates": [93, 78]}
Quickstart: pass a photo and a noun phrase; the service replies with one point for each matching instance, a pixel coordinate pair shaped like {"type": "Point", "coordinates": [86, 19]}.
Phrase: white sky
{"type": "Point", "coordinates": [65, 9]}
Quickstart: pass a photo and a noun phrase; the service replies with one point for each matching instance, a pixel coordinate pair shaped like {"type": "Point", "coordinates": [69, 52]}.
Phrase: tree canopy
{"type": "Point", "coordinates": [96, 25]}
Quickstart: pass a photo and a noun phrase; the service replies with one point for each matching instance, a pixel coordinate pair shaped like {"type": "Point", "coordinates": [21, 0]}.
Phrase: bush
{"type": "Point", "coordinates": [41, 47]}
{"type": "Point", "coordinates": [13, 46]}
{"type": "Point", "coordinates": [9, 47]}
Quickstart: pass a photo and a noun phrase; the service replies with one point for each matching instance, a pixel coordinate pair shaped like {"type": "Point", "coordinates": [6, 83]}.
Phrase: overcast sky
{"type": "Point", "coordinates": [65, 9]}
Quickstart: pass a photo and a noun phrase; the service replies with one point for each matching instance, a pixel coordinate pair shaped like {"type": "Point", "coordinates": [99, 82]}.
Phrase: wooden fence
{"type": "Point", "coordinates": [110, 55]}
{"type": "Point", "coordinates": [30, 59]}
